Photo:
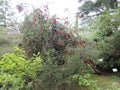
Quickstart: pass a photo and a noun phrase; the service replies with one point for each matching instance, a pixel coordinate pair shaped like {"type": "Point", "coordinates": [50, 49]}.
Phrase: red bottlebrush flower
{"type": "Point", "coordinates": [34, 19]}
{"type": "Point", "coordinates": [87, 62]}
{"type": "Point", "coordinates": [65, 35]}
{"type": "Point", "coordinates": [61, 43]}
{"type": "Point", "coordinates": [59, 32]}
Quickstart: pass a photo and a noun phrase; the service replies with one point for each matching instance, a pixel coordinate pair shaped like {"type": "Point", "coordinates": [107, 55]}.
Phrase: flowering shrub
{"type": "Point", "coordinates": [45, 34]}
{"type": "Point", "coordinates": [42, 33]}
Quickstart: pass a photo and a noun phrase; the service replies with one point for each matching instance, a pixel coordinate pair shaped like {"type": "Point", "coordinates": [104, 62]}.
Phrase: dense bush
{"type": "Point", "coordinates": [63, 54]}
{"type": "Point", "coordinates": [107, 39]}
{"type": "Point", "coordinates": [110, 52]}
{"type": "Point", "coordinates": [42, 33]}
{"type": "Point", "coordinates": [17, 73]}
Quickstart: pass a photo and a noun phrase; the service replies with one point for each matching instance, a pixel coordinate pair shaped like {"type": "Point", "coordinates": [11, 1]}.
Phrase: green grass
{"type": "Point", "coordinates": [103, 82]}
{"type": "Point", "coordinates": [107, 82]}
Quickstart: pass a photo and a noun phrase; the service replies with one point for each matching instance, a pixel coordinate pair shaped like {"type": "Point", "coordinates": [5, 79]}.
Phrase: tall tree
{"type": "Point", "coordinates": [97, 6]}
{"type": "Point", "coordinates": [5, 12]}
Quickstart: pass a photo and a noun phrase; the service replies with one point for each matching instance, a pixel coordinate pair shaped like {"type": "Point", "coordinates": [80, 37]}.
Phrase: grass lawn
{"type": "Point", "coordinates": [103, 82]}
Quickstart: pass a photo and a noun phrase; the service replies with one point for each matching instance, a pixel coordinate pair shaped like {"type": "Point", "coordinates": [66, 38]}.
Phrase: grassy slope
{"type": "Point", "coordinates": [7, 41]}
{"type": "Point", "coordinates": [107, 82]}
{"type": "Point", "coordinates": [104, 82]}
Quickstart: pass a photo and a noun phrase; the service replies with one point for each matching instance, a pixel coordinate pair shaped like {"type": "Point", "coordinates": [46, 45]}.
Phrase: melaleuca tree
{"type": "Point", "coordinates": [44, 34]}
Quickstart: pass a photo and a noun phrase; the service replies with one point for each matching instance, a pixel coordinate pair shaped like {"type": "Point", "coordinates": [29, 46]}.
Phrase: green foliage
{"type": "Point", "coordinates": [107, 38]}
{"type": "Point", "coordinates": [84, 80]}
{"type": "Point", "coordinates": [6, 12]}
{"type": "Point", "coordinates": [87, 7]}
{"type": "Point", "coordinates": [97, 6]}
{"type": "Point", "coordinates": [17, 73]}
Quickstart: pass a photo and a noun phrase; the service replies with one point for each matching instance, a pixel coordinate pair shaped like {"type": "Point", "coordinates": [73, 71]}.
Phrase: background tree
{"type": "Point", "coordinates": [5, 12]}
{"type": "Point", "coordinates": [98, 6]}
{"type": "Point", "coordinates": [105, 26]}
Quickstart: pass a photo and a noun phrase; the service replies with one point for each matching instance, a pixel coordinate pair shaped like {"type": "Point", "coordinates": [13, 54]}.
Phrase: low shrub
{"type": "Point", "coordinates": [18, 73]}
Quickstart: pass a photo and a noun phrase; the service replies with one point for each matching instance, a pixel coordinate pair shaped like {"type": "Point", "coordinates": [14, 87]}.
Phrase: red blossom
{"type": "Point", "coordinates": [87, 62]}
{"type": "Point", "coordinates": [65, 35]}
{"type": "Point", "coordinates": [34, 19]}
{"type": "Point", "coordinates": [59, 32]}
{"type": "Point", "coordinates": [61, 43]}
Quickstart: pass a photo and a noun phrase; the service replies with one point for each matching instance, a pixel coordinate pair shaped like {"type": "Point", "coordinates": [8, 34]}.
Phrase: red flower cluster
{"type": "Point", "coordinates": [34, 19]}
{"type": "Point", "coordinates": [59, 32]}
{"type": "Point", "coordinates": [65, 35]}
{"type": "Point", "coordinates": [87, 62]}
{"type": "Point", "coordinates": [90, 62]}
{"type": "Point", "coordinates": [61, 43]}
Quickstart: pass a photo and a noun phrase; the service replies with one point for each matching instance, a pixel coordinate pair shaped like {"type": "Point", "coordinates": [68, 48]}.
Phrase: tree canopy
{"type": "Point", "coordinates": [97, 6]}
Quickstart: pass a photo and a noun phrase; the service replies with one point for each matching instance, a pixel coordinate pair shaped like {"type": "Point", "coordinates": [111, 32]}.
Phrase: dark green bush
{"type": "Point", "coordinates": [108, 40]}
